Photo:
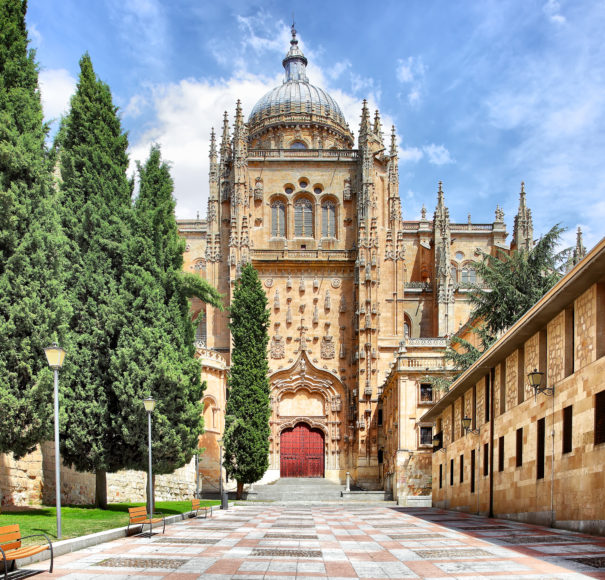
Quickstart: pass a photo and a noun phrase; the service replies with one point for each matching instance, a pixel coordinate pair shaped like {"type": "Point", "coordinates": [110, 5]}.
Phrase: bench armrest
{"type": "Point", "coordinates": [37, 536]}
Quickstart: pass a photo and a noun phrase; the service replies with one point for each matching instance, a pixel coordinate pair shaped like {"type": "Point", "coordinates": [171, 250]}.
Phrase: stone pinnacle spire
{"type": "Point", "coordinates": [393, 151]}
{"type": "Point", "coordinates": [523, 229]}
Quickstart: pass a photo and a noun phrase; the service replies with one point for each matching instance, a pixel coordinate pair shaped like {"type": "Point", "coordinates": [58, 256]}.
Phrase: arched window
{"type": "Point", "coordinates": [298, 145]}
{"type": "Point", "coordinates": [303, 219]}
{"type": "Point", "coordinates": [328, 220]}
{"type": "Point", "coordinates": [407, 326]}
{"type": "Point", "coordinates": [469, 275]}
{"type": "Point", "coordinates": [278, 219]}
{"type": "Point", "coordinates": [454, 273]}
{"type": "Point", "coordinates": [200, 331]}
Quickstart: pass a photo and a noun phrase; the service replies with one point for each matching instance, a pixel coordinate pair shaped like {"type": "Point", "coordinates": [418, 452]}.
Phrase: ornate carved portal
{"type": "Point", "coordinates": [306, 407]}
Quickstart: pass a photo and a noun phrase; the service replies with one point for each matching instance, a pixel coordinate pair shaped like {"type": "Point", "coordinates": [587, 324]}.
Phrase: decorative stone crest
{"type": "Point", "coordinates": [278, 347]}
{"type": "Point", "coordinates": [336, 282]}
{"type": "Point", "coordinates": [327, 350]}
{"type": "Point", "coordinates": [269, 282]}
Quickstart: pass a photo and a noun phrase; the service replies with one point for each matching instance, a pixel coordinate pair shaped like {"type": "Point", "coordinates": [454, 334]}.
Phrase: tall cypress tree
{"type": "Point", "coordinates": [33, 310]}
{"type": "Point", "coordinates": [248, 410]}
{"type": "Point", "coordinates": [96, 217]}
{"type": "Point", "coordinates": [155, 354]}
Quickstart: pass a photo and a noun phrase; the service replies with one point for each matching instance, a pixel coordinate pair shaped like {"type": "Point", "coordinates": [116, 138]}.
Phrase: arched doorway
{"type": "Point", "coordinates": [301, 452]}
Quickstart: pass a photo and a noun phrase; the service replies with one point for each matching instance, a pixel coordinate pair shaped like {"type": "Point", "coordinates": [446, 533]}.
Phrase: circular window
{"type": "Point", "coordinates": [317, 190]}
{"type": "Point", "coordinates": [289, 188]}
{"type": "Point", "coordinates": [459, 256]}
{"type": "Point", "coordinates": [303, 184]}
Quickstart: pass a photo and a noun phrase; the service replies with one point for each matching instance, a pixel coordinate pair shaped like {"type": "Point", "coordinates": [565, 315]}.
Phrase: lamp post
{"type": "Point", "coordinates": [224, 504]}
{"type": "Point", "coordinates": [149, 403]}
{"type": "Point", "coordinates": [55, 356]}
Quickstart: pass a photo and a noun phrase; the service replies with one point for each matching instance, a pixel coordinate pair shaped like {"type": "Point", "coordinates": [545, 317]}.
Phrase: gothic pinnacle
{"type": "Point", "coordinates": [212, 144]}
{"type": "Point", "coordinates": [393, 151]}
{"type": "Point", "coordinates": [377, 125]}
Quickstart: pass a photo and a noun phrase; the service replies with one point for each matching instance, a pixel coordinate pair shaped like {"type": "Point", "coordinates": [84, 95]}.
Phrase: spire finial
{"type": "Point", "coordinates": [523, 187]}
{"type": "Point", "coordinates": [212, 143]}
{"type": "Point", "coordinates": [440, 187]}
{"type": "Point", "coordinates": [393, 150]}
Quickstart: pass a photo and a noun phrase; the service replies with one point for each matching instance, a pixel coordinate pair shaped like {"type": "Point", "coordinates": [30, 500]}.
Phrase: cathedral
{"type": "Point", "coordinates": [362, 301]}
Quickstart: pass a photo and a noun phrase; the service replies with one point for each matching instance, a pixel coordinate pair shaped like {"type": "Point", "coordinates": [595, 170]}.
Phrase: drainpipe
{"type": "Point", "coordinates": [492, 376]}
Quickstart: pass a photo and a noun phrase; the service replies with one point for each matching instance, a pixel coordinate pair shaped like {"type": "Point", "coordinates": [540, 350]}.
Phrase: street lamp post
{"type": "Point", "coordinates": [55, 356]}
{"type": "Point", "coordinates": [224, 504]}
{"type": "Point", "coordinates": [149, 403]}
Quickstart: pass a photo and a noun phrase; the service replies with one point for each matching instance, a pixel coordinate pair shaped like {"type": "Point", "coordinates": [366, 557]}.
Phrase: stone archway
{"type": "Point", "coordinates": [302, 452]}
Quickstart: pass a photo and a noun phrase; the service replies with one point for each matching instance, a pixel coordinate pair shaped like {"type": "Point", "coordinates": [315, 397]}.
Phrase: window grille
{"type": "Point", "coordinates": [328, 223]}
{"type": "Point", "coordinates": [278, 220]}
{"type": "Point", "coordinates": [303, 218]}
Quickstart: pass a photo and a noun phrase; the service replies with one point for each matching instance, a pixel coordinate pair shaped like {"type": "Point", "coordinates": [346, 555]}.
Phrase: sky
{"type": "Point", "coordinates": [484, 94]}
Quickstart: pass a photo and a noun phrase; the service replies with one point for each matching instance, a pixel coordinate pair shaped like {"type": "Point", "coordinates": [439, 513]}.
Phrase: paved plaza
{"type": "Point", "coordinates": [340, 542]}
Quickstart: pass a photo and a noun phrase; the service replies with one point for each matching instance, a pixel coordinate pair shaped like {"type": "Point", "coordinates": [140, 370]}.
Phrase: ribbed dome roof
{"type": "Point", "coordinates": [297, 95]}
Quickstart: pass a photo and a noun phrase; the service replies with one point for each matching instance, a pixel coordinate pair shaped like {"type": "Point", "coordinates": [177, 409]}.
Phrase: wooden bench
{"type": "Point", "coordinates": [11, 548]}
{"type": "Point", "coordinates": [140, 517]}
{"type": "Point", "coordinates": [196, 508]}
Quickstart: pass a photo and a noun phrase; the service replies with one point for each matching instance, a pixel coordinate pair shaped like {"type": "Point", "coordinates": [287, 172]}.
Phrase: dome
{"type": "Point", "coordinates": [297, 100]}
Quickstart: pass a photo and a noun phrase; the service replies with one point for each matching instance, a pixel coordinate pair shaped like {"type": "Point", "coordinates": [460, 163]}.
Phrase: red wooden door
{"type": "Point", "coordinates": [302, 452]}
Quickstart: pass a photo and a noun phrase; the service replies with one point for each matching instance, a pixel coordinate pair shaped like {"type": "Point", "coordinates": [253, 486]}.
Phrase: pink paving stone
{"type": "Point", "coordinates": [225, 567]}
{"type": "Point", "coordinates": [371, 557]}
{"type": "Point", "coordinates": [343, 569]}
{"type": "Point", "coordinates": [425, 569]}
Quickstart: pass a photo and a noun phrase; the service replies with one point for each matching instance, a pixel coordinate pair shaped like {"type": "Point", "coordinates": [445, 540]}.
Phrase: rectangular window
{"type": "Point", "coordinates": [451, 472]}
{"type": "Point", "coordinates": [569, 340]}
{"type": "Point", "coordinates": [474, 407]}
{"type": "Point", "coordinates": [521, 376]}
{"type": "Point", "coordinates": [487, 400]}
{"type": "Point", "coordinates": [426, 393]}
{"type": "Point", "coordinates": [599, 418]}
{"type": "Point", "coordinates": [328, 227]}
{"type": "Point", "coordinates": [462, 469]}
{"type": "Point", "coordinates": [501, 453]}
{"type": "Point", "coordinates": [519, 458]}
{"type": "Point", "coordinates": [567, 429]}
{"type": "Point", "coordinates": [503, 387]}
{"type": "Point", "coordinates": [440, 476]}
{"type": "Point", "coordinates": [426, 435]}
{"type": "Point", "coordinates": [486, 459]}
{"type": "Point", "coordinates": [379, 416]}
{"type": "Point", "coordinates": [472, 471]}
{"type": "Point", "coordinates": [540, 448]}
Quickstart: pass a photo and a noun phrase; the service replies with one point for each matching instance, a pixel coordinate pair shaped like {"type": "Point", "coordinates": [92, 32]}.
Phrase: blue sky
{"type": "Point", "coordinates": [484, 94]}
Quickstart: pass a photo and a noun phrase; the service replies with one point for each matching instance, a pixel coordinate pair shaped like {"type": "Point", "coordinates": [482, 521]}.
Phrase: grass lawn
{"type": "Point", "coordinates": [81, 520]}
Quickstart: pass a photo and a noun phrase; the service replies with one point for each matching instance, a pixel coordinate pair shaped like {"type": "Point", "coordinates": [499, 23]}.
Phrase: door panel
{"type": "Point", "coordinates": [302, 452]}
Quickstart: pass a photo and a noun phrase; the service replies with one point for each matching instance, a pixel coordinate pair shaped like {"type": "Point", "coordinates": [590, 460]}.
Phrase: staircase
{"type": "Point", "coordinates": [304, 490]}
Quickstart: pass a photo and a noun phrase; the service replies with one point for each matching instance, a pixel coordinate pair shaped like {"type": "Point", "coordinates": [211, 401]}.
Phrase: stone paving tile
{"type": "Point", "coordinates": [341, 543]}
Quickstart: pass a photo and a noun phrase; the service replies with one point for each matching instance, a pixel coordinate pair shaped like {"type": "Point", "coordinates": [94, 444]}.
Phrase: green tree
{"type": "Point", "coordinates": [155, 353]}
{"type": "Point", "coordinates": [96, 214]}
{"type": "Point", "coordinates": [33, 309]}
{"type": "Point", "coordinates": [247, 430]}
{"type": "Point", "coordinates": [511, 284]}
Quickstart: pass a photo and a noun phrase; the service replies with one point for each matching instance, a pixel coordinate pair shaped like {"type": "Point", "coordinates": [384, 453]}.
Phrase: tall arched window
{"type": "Point", "coordinates": [303, 218]}
{"type": "Point", "coordinates": [298, 145]}
{"type": "Point", "coordinates": [328, 220]}
{"type": "Point", "coordinates": [278, 219]}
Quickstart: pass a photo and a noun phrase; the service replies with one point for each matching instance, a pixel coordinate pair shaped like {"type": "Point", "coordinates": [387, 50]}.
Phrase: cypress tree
{"type": "Point", "coordinates": [155, 354]}
{"type": "Point", "coordinates": [96, 218]}
{"type": "Point", "coordinates": [33, 309]}
{"type": "Point", "coordinates": [248, 410]}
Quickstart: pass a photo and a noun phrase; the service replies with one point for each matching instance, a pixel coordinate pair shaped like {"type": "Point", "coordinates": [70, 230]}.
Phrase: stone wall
{"type": "Point", "coordinates": [31, 481]}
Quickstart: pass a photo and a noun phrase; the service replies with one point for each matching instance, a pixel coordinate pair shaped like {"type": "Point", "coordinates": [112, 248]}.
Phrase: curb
{"type": "Point", "coordinates": [62, 547]}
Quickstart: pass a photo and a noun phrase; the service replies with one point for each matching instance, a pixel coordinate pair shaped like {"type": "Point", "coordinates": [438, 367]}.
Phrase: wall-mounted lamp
{"type": "Point", "coordinates": [535, 382]}
{"type": "Point", "coordinates": [466, 425]}
{"type": "Point", "coordinates": [437, 446]}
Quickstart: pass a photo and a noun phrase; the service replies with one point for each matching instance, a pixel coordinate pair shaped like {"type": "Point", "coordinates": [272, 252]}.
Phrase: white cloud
{"type": "Point", "coordinates": [437, 154]}
{"type": "Point", "coordinates": [410, 154]}
{"type": "Point", "coordinates": [335, 72]}
{"type": "Point", "coordinates": [551, 9]}
{"type": "Point", "coordinates": [135, 106]}
{"type": "Point", "coordinates": [411, 72]}
{"type": "Point", "coordinates": [56, 86]}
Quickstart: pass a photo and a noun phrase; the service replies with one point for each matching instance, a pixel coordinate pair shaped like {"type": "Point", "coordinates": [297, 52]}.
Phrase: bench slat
{"type": "Point", "coordinates": [24, 552]}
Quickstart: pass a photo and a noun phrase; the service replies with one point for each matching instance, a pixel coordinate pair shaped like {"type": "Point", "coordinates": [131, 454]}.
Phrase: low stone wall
{"type": "Point", "coordinates": [31, 481]}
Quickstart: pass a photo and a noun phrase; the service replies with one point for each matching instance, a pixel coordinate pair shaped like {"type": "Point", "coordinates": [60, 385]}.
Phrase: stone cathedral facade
{"type": "Point", "coordinates": [359, 297]}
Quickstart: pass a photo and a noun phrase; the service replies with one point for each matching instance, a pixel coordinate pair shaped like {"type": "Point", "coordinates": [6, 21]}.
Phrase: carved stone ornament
{"type": "Point", "coordinates": [258, 189]}
{"type": "Point", "coordinates": [269, 282]}
{"type": "Point", "coordinates": [327, 347]}
{"type": "Point", "coordinates": [278, 347]}
{"type": "Point", "coordinates": [346, 192]}
{"type": "Point", "coordinates": [289, 282]}
{"type": "Point", "coordinates": [327, 301]}
{"type": "Point", "coordinates": [343, 304]}
{"type": "Point", "coordinates": [336, 282]}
